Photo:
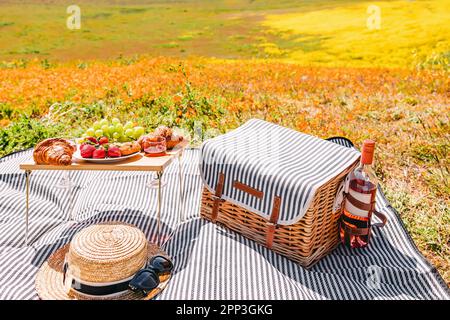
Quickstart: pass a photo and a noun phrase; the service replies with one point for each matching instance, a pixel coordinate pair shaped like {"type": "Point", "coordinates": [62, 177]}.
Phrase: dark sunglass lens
{"type": "Point", "coordinates": [161, 264]}
{"type": "Point", "coordinates": [145, 280]}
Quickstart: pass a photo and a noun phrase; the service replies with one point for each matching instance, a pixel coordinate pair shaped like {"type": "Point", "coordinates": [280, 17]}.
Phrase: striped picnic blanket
{"type": "Point", "coordinates": [210, 262]}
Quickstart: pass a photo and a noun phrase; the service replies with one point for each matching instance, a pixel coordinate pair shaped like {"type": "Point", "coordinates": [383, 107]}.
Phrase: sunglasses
{"type": "Point", "coordinates": [147, 279]}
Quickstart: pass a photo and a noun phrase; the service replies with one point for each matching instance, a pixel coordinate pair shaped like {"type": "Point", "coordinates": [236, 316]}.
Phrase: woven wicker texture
{"type": "Point", "coordinates": [308, 240]}
{"type": "Point", "coordinates": [49, 279]}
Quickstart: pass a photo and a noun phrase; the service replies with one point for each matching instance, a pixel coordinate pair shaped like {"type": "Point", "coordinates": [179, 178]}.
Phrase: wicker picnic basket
{"type": "Point", "coordinates": [305, 241]}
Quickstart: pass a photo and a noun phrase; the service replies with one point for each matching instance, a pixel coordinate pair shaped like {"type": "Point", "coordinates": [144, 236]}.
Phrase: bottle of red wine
{"type": "Point", "coordinates": [359, 200]}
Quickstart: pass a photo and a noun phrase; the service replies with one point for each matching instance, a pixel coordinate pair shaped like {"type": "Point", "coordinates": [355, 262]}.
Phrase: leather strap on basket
{"type": "Point", "coordinates": [272, 225]}
{"type": "Point", "coordinates": [217, 197]}
{"type": "Point", "coordinates": [273, 220]}
{"type": "Point", "coordinates": [250, 190]}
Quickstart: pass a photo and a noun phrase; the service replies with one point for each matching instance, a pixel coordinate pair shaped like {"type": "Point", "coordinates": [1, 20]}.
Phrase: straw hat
{"type": "Point", "coordinates": [98, 264]}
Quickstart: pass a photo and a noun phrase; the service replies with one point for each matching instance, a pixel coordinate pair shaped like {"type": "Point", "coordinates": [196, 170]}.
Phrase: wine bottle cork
{"type": "Point", "coordinates": [367, 151]}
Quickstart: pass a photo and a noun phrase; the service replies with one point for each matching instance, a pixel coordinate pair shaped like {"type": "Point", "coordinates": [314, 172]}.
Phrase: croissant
{"type": "Point", "coordinates": [54, 151]}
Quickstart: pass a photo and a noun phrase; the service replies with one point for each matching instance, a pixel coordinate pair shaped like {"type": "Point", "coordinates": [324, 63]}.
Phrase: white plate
{"type": "Point", "coordinates": [77, 156]}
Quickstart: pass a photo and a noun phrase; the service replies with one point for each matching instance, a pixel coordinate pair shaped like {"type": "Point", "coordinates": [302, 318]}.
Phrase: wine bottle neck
{"type": "Point", "coordinates": [367, 159]}
{"type": "Point", "coordinates": [363, 165]}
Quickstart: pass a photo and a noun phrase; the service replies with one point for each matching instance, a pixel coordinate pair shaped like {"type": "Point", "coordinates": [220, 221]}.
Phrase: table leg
{"type": "Point", "coordinates": [27, 211]}
{"type": "Point", "coordinates": [181, 202]}
{"type": "Point", "coordinates": [159, 177]}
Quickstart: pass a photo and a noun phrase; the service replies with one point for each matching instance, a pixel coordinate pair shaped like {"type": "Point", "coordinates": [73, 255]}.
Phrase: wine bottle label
{"type": "Point", "coordinates": [363, 197]}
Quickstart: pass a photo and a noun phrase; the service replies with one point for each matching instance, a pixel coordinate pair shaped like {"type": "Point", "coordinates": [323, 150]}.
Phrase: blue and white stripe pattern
{"type": "Point", "coordinates": [275, 160]}
{"type": "Point", "coordinates": [210, 261]}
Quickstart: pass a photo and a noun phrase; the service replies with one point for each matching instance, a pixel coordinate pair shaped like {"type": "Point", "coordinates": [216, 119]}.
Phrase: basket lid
{"type": "Point", "coordinates": [271, 161]}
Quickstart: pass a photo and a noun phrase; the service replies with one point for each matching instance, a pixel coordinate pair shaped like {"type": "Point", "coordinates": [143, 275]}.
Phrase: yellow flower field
{"type": "Point", "coordinates": [407, 32]}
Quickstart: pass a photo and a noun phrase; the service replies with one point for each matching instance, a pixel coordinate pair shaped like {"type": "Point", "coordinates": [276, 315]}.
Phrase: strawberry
{"type": "Point", "coordinates": [92, 139]}
{"type": "Point", "coordinates": [99, 153]}
{"type": "Point", "coordinates": [103, 140]}
{"type": "Point", "coordinates": [114, 152]}
{"type": "Point", "coordinates": [87, 150]}
{"type": "Point", "coordinates": [88, 143]}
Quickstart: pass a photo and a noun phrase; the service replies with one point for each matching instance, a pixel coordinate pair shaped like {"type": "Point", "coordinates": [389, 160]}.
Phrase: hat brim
{"type": "Point", "coordinates": [49, 280]}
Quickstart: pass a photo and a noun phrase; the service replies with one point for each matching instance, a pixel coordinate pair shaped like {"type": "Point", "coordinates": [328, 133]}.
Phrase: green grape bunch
{"type": "Point", "coordinates": [115, 130]}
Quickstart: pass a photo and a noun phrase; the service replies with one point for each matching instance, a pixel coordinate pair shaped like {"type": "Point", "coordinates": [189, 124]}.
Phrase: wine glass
{"type": "Point", "coordinates": [155, 146]}
{"type": "Point", "coordinates": [154, 181]}
{"type": "Point", "coordinates": [66, 182]}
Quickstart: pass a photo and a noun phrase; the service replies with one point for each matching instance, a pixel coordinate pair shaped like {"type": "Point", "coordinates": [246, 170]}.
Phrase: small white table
{"type": "Point", "coordinates": [140, 162]}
